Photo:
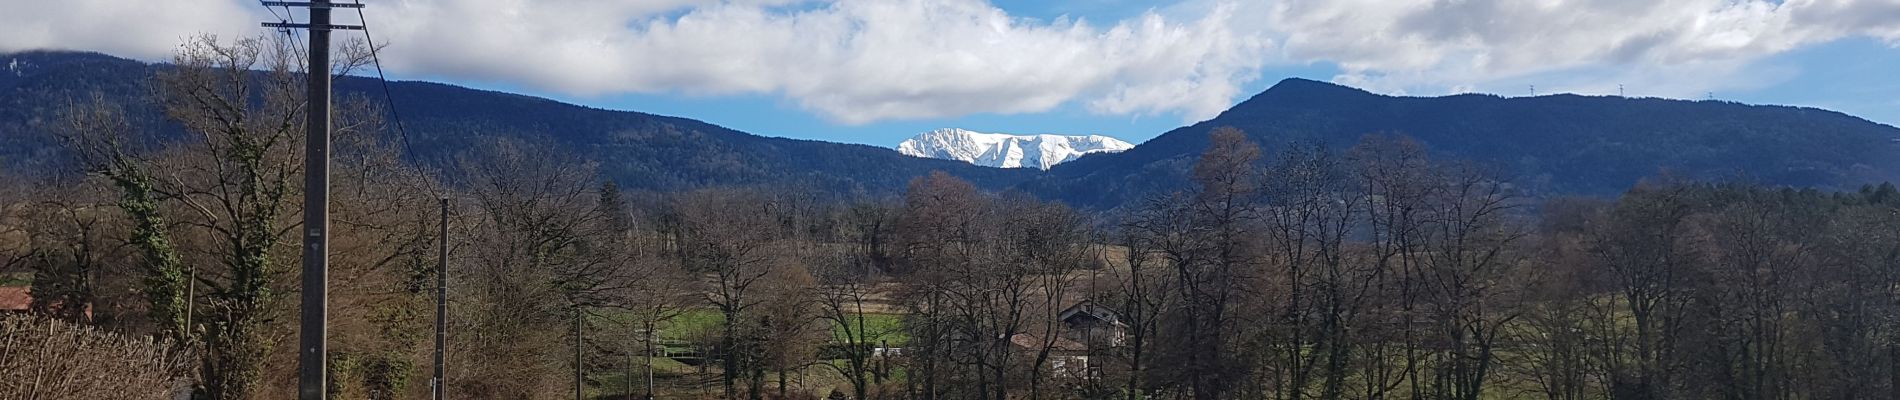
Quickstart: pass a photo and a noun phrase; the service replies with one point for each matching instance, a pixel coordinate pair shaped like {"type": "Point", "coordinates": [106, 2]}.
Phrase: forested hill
{"type": "Point", "coordinates": [638, 150]}
{"type": "Point", "coordinates": [1556, 144]}
{"type": "Point", "coordinates": [1549, 145]}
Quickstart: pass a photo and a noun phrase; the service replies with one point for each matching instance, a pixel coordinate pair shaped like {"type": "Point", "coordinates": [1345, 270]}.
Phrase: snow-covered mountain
{"type": "Point", "coordinates": [1005, 150]}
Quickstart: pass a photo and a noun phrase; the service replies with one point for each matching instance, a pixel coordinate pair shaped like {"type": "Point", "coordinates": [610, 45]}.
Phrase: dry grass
{"type": "Point", "coordinates": [48, 359]}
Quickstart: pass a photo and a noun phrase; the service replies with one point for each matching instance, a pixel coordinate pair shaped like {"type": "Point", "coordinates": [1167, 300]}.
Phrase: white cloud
{"type": "Point", "coordinates": [1673, 48]}
{"type": "Point", "coordinates": [148, 30]}
{"type": "Point", "coordinates": [854, 61]}
{"type": "Point", "coordinates": [861, 61]}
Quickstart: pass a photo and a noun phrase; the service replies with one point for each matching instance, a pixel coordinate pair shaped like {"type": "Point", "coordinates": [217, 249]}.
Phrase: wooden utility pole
{"type": "Point", "coordinates": [313, 361]}
{"type": "Point", "coordinates": [313, 347]}
{"type": "Point", "coordinates": [649, 343]}
{"type": "Point", "coordinates": [577, 351]}
{"type": "Point", "coordinates": [629, 374]}
{"type": "Point", "coordinates": [441, 306]}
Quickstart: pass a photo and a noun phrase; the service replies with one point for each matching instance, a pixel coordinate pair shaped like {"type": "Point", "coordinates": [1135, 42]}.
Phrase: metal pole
{"type": "Point", "coordinates": [312, 360]}
{"type": "Point", "coordinates": [441, 306]}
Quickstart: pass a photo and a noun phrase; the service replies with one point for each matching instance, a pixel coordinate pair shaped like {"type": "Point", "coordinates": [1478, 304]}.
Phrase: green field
{"type": "Point", "coordinates": [677, 334]}
{"type": "Point", "coordinates": [887, 327]}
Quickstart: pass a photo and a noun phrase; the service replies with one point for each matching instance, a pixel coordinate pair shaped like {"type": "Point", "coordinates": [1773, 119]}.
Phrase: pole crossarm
{"type": "Point", "coordinates": [308, 4]}
{"type": "Point", "coordinates": [312, 26]}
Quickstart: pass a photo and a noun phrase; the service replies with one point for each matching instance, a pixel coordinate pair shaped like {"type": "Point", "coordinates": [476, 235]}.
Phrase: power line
{"type": "Point", "coordinates": [288, 19]}
{"type": "Point", "coordinates": [389, 97]}
{"type": "Point", "coordinates": [382, 79]}
{"type": "Point", "coordinates": [437, 382]}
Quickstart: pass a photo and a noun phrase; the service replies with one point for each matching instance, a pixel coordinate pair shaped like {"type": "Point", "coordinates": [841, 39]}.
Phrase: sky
{"type": "Point", "coordinates": [879, 71]}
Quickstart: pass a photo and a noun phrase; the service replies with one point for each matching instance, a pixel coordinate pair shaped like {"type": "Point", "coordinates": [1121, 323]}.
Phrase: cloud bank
{"type": "Point", "coordinates": [852, 61]}
{"type": "Point", "coordinates": [863, 61]}
{"type": "Point", "coordinates": [1673, 47]}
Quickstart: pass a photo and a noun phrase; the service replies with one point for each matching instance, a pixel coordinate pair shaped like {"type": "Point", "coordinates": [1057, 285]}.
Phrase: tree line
{"type": "Point", "coordinates": [1372, 272]}
{"type": "Point", "coordinates": [1377, 272]}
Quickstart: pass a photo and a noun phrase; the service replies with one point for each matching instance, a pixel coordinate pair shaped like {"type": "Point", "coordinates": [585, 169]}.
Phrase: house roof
{"type": "Point", "coordinates": [15, 298]}
{"type": "Point", "coordinates": [1088, 308]}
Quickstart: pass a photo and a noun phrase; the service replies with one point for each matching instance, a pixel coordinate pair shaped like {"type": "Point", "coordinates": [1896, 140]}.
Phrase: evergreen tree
{"type": "Point", "coordinates": [1884, 194]}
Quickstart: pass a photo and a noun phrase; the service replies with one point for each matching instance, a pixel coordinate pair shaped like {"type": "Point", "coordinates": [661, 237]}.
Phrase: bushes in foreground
{"type": "Point", "coordinates": [42, 358]}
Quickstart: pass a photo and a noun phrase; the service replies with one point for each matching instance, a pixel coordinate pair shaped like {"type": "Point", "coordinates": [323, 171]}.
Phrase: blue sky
{"type": "Point", "coordinates": [878, 71]}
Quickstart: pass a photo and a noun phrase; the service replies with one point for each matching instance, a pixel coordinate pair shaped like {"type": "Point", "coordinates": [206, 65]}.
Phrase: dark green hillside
{"type": "Point", "coordinates": [1560, 144]}
{"type": "Point", "coordinates": [639, 150]}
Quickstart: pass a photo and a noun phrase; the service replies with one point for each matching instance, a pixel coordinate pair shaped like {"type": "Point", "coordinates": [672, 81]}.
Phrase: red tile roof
{"type": "Point", "coordinates": [14, 298]}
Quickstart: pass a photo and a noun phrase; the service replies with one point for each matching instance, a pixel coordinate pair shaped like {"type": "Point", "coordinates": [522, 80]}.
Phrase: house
{"type": "Point", "coordinates": [1094, 325]}
{"type": "Point", "coordinates": [1067, 358]}
{"type": "Point", "coordinates": [1088, 329]}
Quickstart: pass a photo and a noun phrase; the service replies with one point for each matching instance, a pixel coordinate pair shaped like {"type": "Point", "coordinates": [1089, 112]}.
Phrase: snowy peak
{"type": "Point", "coordinates": [1005, 150]}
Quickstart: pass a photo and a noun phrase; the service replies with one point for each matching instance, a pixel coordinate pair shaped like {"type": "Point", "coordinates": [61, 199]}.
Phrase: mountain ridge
{"type": "Point", "coordinates": [638, 150]}
{"type": "Point", "coordinates": [1553, 145]}
{"type": "Point", "coordinates": [1561, 144]}
{"type": "Point", "coordinates": [1003, 150]}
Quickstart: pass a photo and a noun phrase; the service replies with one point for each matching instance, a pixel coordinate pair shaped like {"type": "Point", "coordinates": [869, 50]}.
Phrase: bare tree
{"type": "Point", "coordinates": [70, 246]}
{"type": "Point", "coordinates": [1758, 259]}
{"type": "Point", "coordinates": [1310, 211]}
{"type": "Point", "coordinates": [542, 251]}
{"type": "Point", "coordinates": [738, 240]}
{"type": "Point", "coordinates": [843, 296]}
{"type": "Point", "coordinates": [1213, 257]}
{"type": "Point", "coordinates": [1145, 290]}
{"type": "Point", "coordinates": [1052, 243]}
{"type": "Point", "coordinates": [789, 329]}
{"type": "Point", "coordinates": [15, 248]}
{"type": "Point", "coordinates": [664, 291]}
{"type": "Point", "coordinates": [1470, 278]}
{"type": "Point", "coordinates": [938, 231]}
{"type": "Point", "coordinates": [1392, 173]}
{"type": "Point", "coordinates": [1856, 306]}
{"type": "Point", "coordinates": [851, 285]}
{"type": "Point", "coordinates": [1640, 244]}
{"type": "Point", "coordinates": [229, 187]}
{"type": "Point", "coordinates": [1567, 315]}
{"type": "Point", "coordinates": [99, 133]}
{"type": "Point", "coordinates": [384, 228]}
{"type": "Point", "coordinates": [988, 276]}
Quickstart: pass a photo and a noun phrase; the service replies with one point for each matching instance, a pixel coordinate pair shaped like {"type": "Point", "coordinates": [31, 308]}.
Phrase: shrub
{"type": "Point", "coordinates": [42, 358]}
